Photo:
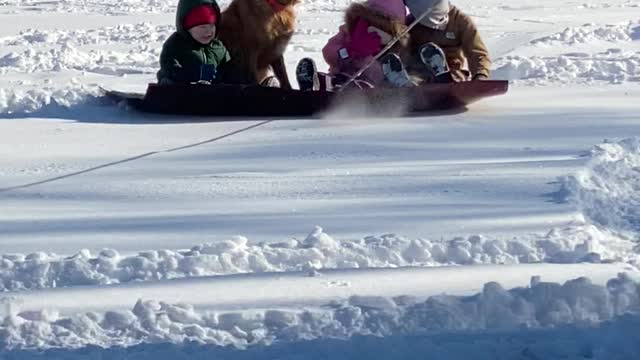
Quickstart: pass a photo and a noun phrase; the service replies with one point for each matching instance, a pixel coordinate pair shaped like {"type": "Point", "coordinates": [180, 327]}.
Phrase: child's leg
{"type": "Point", "coordinates": [329, 82]}
{"type": "Point", "coordinates": [435, 61]}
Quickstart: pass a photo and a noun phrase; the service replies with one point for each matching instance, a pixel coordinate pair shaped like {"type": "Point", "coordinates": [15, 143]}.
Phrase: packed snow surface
{"type": "Point", "coordinates": [506, 232]}
{"type": "Point", "coordinates": [605, 192]}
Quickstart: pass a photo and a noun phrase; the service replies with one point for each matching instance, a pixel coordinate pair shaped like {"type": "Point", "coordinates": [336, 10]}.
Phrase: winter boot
{"type": "Point", "coordinates": [394, 71]}
{"type": "Point", "coordinates": [307, 75]}
{"type": "Point", "coordinates": [435, 62]}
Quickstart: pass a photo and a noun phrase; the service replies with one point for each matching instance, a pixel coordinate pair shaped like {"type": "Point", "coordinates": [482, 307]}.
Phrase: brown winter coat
{"type": "Point", "coordinates": [466, 53]}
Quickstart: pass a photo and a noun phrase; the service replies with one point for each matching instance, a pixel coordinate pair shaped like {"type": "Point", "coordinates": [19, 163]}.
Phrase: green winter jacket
{"type": "Point", "coordinates": [182, 55]}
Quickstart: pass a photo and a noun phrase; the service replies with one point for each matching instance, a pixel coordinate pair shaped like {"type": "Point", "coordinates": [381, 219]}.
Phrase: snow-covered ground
{"type": "Point", "coordinates": [505, 232]}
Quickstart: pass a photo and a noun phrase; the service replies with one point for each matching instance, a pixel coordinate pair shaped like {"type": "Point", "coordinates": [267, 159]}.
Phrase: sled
{"type": "Point", "coordinates": [240, 100]}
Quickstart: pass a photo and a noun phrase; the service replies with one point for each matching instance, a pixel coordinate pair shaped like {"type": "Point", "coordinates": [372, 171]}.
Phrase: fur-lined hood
{"type": "Point", "coordinates": [384, 22]}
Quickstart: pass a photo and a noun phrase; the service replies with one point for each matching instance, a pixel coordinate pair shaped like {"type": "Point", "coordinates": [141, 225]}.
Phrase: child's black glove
{"type": "Point", "coordinates": [208, 72]}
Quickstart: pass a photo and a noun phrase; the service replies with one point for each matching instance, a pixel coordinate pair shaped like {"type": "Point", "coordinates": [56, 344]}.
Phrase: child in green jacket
{"type": "Point", "coordinates": [193, 53]}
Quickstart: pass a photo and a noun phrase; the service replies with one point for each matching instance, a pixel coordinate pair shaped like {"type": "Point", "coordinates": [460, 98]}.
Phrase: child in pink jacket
{"type": "Point", "coordinates": [367, 29]}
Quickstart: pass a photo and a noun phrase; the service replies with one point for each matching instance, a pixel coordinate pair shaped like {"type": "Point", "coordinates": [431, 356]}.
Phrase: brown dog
{"type": "Point", "coordinates": [257, 32]}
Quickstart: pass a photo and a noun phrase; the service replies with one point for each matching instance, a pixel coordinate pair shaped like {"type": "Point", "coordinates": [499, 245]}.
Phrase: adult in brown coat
{"type": "Point", "coordinates": [455, 33]}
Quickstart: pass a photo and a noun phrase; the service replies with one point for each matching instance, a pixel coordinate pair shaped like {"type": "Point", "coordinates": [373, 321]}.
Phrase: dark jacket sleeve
{"type": "Point", "coordinates": [172, 70]}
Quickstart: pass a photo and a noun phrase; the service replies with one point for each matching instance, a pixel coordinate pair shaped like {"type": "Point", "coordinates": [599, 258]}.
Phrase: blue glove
{"type": "Point", "coordinates": [208, 72]}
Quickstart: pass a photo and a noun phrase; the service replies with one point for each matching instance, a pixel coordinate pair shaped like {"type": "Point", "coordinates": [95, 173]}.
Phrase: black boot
{"type": "Point", "coordinates": [307, 75]}
{"type": "Point", "coordinates": [394, 71]}
{"type": "Point", "coordinates": [435, 62]}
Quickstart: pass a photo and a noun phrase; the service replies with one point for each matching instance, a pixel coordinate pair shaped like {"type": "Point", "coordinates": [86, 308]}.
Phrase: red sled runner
{"type": "Point", "coordinates": [236, 100]}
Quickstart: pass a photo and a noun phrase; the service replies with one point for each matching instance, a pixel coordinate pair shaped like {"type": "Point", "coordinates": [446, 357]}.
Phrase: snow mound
{"type": "Point", "coordinates": [589, 33]}
{"type": "Point", "coordinates": [30, 97]}
{"type": "Point", "coordinates": [577, 243]}
{"type": "Point", "coordinates": [128, 7]}
{"type": "Point", "coordinates": [18, 101]}
{"type": "Point", "coordinates": [612, 340]}
{"type": "Point", "coordinates": [607, 190]}
{"type": "Point", "coordinates": [141, 33]}
{"type": "Point", "coordinates": [106, 7]}
{"type": "Point", "coordinates": [140, 60]}
{"type": "Point", "coordinates": [541, 305]}
{"type": "Point", "coordinates": [614, 66]}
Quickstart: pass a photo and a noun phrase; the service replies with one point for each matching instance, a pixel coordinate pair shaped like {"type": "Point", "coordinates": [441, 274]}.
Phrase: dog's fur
{"type": "Point", "coordinates": [257, 36]}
